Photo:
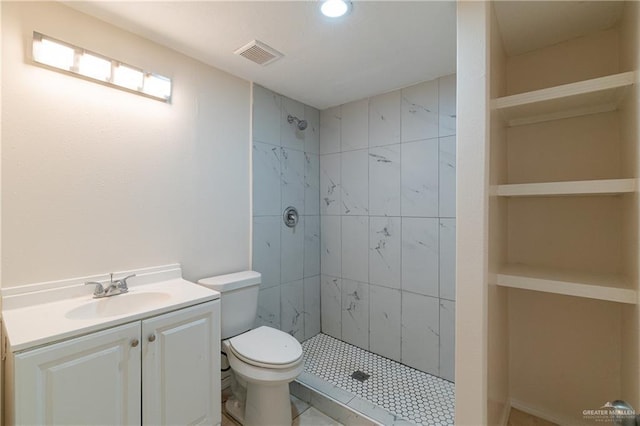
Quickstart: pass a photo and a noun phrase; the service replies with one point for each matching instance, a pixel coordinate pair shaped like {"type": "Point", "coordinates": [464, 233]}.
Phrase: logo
{"type": "Point", "coordinates": [617, 412]}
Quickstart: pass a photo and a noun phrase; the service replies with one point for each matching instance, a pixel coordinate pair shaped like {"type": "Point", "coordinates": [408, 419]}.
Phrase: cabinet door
{"type": "Point", "coordinates": [90, 380]}
{"type": "Point", "coordinates": [181, 367]}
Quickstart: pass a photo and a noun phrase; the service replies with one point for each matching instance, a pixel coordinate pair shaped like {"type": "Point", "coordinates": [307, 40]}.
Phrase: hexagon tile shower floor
{"type": "Point", "coordinates": [407, 393]}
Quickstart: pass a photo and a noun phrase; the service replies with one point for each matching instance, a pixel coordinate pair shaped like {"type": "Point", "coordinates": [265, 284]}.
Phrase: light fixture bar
{"type": "Point", "coordinates": [74, 60]}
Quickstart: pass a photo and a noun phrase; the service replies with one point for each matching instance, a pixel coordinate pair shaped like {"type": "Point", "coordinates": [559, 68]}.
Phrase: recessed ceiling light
{"type": "Point", "coordinates": [335, 8]}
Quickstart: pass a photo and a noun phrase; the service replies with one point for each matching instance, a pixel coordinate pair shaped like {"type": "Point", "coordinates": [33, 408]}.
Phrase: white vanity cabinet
{"type": "Point", "coordinates": [181, 367]}
{"type": "Point", "coordinates": [89, 380]}
{"type": "Point", "coordinates": [162, 370]}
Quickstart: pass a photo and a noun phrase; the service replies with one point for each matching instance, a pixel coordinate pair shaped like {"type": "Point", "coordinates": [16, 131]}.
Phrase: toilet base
{"type": "Point", "coordinates": [267, 405]}
{"type": "Point", "coordinates": [234, 408]}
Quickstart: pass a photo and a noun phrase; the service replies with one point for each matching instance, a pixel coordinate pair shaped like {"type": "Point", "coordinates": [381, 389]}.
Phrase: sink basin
{"type": "Point", "coordinates": [121, 304]}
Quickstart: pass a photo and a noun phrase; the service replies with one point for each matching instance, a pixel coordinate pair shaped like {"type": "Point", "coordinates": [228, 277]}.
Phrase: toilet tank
{"type": "Point", "coordinates": [238, 300]}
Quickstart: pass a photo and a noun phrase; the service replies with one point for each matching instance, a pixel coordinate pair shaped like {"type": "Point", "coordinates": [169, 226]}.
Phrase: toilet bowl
{"type": "Point", "coordinates": [264, 360]}
{"type": "Point", "coordinates": [267, 360]}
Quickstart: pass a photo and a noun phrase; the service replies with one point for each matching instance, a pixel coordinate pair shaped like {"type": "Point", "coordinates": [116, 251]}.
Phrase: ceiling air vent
{"type": "Point", "coordinates": [259, 53]}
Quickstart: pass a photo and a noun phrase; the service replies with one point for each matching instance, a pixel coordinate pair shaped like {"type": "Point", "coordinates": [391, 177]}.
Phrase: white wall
{"type": "Point", "coordinates": [472, 213]}
{"type": "Point", "coordinates": [97, 180]}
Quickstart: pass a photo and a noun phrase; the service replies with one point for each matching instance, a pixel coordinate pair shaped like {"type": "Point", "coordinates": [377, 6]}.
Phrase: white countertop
{"type": "Point", "coordinates": [31, 325]}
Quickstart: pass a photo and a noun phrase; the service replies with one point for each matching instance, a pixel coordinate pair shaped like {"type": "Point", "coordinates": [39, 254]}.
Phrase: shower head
{"type": "Point", "coordinates": [301, 124]}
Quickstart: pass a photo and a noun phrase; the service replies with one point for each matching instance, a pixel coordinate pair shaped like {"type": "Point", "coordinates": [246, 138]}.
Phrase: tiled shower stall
{"type": "Point", "coordinates": [286, 173]}
{"type": "Point", "coordinates": [372, 261]}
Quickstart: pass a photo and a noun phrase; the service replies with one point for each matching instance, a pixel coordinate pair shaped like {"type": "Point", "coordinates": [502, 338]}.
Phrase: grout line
{"type": "Point", "coordinates": [439, 239]}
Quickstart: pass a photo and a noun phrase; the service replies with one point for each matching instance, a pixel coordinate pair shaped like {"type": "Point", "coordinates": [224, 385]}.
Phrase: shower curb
{"type": "Point", "coordinates": [342, 406]}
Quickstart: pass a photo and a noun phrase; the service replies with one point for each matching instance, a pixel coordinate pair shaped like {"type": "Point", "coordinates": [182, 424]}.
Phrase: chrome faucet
{"type": "Point", "coordinates": [114, 288]}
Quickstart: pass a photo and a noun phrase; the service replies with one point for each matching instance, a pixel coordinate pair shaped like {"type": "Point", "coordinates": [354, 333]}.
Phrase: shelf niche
{"type": "Point", "coordinates": [568, 100]}
{"type": "Point", "coordinates": [586, 187]}
{"type": "Point", "coordinates": [607, 287]}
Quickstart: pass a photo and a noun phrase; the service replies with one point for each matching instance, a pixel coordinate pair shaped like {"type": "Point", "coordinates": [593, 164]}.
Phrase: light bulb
{"type": "Point", "coordinates": [335, 8]}
{"type": "Point", "coordinates": [128, 77]}
{"type": "Point", "coordinates": [54, 54]}
{"type": "Point", "coordinates": [158, 86]}
{"type": "Point", "coordinates": [94, 67]}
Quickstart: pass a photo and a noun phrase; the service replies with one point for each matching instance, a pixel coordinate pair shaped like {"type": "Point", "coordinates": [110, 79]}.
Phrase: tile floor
{"type": "Point", "coordinates": [394, 394]}
{"type": "Point", "coordinates": [301, 412]}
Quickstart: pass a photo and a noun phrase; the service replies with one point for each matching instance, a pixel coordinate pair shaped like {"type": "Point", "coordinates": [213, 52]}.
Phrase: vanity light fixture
{"type": "Point", "coordinates": [335, 8]}
{"type": "Point", "coordinates": [91, 66]}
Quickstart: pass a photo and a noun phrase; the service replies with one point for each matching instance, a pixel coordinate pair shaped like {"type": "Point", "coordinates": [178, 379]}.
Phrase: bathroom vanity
{"type": "Point", "coordinates": [148, 356]}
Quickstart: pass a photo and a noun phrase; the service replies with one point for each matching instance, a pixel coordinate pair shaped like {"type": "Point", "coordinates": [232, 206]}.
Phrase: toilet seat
{"type": "Point", "coordinates": [267, 347]}
{"type": "Point", "coordinates": [262, 364]}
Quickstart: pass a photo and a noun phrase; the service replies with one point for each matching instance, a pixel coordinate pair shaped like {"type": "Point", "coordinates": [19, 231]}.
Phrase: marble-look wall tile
{"type": "Point", "coordinates": [330, 120]}
{"type": "Point", "coordinates": [384, 181]}
{"type": "Point", "coordinates": [447, 339]}
{"type": "Point", "coordinates": [266, 115]}
{"type": "Point", "coordinates": [292, 309]}
{"type": "Point", "coordinates": [311, 246]}
{"type": "Point", "coordinates": [355, 244]}
{"type": "Point", "coordinates": [311, 306]}
{"type": "Point", "coordinates": [290, 136]}
{"type": "Point", "coordinates": [447, 105]}
{"type": "Point", "coordinates": [420, 332]}
{"type": "Point", "coordinates": [266, 179]}
{"type": "Point", "coordinates": [354, 181]}
{"type": "Point", "coordinates": [292, 251]}
{"type": "Point", "coordinates": [448, 259]}
{"type": "Point", "coordinates": [420, 259]}
{"type": "Point", "coordinates": [269, 307]}
{"type": "Point", "coordinates": [311, 184]}
{"type": "Point", "coordinates": [384, 119]}
{"type": "Point", "coordinates": [292, 164]}
{"type": "Point", "coordinates": [447, 179]}
{"type": "Point", "coordinates": [406, 190]}
{"type": "Point", "coordinates": [384, 251]}
{"type": "Point", "coordinates": [384, 311]}
{"type": "Point", "coordinates": [330, 189]}
{"type": "Point", "coordinates": [331, 246]}
{"type": "Point", "coordinates": [312, 133]}
{"type": "Point", "coordinates": [420, 111]}
{"type": "Point", "coordinates": [355, 125]}
{"type": "Point", "coordinates": [331, 305]}
{"type": "Point", "coordinates": [266, 249]}
{"type": "Point", "coordinates": [355, 313]}
{"type": "Point", "coordinates": [420, 178]}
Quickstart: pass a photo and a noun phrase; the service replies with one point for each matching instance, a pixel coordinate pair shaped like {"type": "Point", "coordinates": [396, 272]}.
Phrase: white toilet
{"type": "Point", "coordinates": [264, 359]}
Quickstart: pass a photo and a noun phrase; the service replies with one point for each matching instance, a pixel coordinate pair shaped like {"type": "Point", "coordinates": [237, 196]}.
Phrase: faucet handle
{"type": "Point", "coordinates": [99, 290]}
{"type": "Point", "coordinates": [122, 283]}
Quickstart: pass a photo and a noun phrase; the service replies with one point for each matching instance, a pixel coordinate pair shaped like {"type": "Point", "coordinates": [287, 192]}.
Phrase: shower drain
{"type": "Point", "coordinates": [359, 375]}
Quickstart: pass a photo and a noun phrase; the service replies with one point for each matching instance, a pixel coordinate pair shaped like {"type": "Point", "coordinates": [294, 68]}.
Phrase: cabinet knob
{"type": "Point", "coordinates": [134, 343]}
{"type": "Point", "coordinates": [152, 337]}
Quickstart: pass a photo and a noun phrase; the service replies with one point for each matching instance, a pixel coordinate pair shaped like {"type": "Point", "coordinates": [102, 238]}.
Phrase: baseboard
{"type": "Point", "coordinates": [506, 411]}
{"type": "Point", "coordinates": [544, 414]}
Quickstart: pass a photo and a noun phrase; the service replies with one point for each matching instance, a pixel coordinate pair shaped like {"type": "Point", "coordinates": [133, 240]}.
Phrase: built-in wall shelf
{"type": "Point", "coordinates": [611, 288]}
{"type": "Point", "coordinates": [568, 100]}
{"type": "Point", "coordinates": [581, 187]}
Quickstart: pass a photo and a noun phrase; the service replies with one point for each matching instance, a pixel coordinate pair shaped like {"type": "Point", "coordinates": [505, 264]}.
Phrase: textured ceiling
{"type": "Point", "coordinates": [380, 46]}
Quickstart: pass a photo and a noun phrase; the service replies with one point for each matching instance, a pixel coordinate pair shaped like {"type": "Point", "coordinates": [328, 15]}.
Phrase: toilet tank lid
{"type": "Point", "coordinates": [231, 282]}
